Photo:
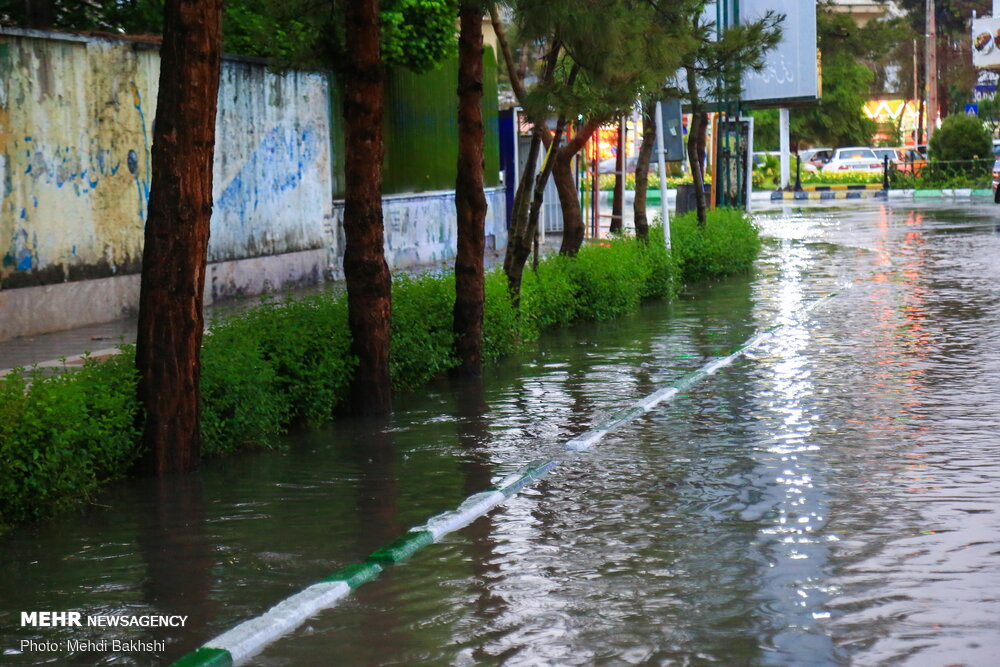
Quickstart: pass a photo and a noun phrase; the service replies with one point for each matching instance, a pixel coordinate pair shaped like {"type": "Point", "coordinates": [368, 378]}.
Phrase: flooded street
{"type": "Point", "coordinates": [832, 498]}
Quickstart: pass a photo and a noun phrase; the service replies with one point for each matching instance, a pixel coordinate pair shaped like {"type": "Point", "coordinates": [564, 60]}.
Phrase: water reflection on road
{"type": "Point", "coordinates": [833, 498]}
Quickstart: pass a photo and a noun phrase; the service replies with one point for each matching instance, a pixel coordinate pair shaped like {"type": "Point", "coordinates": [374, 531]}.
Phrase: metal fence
{"type": "Point", "coordinates": [932, 174]}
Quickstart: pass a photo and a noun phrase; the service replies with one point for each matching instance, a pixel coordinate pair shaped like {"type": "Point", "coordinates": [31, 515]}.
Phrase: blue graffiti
{"type": "Point", "coordinates": [278, 165]}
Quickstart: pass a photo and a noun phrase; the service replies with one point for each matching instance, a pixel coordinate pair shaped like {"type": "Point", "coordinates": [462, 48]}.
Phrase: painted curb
{"type": "Point", "coordinates": [249, 638]}
{"type": "Point", "coordinates": [837, 194]}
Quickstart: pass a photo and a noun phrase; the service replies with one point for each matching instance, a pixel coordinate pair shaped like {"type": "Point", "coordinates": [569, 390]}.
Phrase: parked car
{"type": "Point", "coordinates": [855, 158]}
{"type": "Point", "coordinates": [815, 157]}
{"type": "Point", "coordinates": [895, 155]}
{"type": "Point", "coordinates": [913, 161]}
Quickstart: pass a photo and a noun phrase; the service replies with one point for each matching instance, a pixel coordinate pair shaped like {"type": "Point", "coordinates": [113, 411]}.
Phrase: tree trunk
{"type": "Point", "coordinates": [618, 199]}
{"type": "Point", "coordinates": [518, 240]}
{"type": "Point", "coordinates": [519, 256]}
{"type": "Point", "coordinates": [171, 319]}
{"type": "Point", "coordinates": [696, 134]}
{"type": "Point", "coordinates": [470, 200]}
{"type": "Point", "coordinates": [520, 235]}
{"type": "Point", "coordinates": [696, 144]}
{"type": "Point", "coordinates": [369, 299]}
{"type": "Point", "coordinates": [562, 174]}
{"type": "Point", "coordinates": [642, 169]}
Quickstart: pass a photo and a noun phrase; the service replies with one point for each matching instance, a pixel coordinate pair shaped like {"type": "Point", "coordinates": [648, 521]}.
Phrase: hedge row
{"type": "Point", "coordinates": [287, 363]}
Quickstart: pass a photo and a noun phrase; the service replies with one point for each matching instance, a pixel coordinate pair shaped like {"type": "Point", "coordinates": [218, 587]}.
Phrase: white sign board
{"type": "Point", "coordinates": [790, 69]}
{"type": "Point", "coordinates": [986, 43]}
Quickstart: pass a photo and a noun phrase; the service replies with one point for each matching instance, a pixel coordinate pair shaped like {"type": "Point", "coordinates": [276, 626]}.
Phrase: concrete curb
{"type": "Point", "coordinates": [249, 638]}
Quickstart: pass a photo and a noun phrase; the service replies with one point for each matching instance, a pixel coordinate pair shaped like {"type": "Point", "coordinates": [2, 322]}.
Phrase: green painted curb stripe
{"type": "Point", "coordinates": [928, 193]}
{"type": "Point", "coordinates": [357, 574]}
{"type": "Point", "coordinates": [206, 657]}
{"type": "Point", "coordinates": [981, 192]}
{"type": "Point", "coordinates": [402, 547]}
{"type": "Point", "coordinates": [250, 637]}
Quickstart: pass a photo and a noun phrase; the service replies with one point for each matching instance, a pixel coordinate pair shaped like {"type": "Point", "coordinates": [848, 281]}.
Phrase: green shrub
{"type": "Point", "coordinates": [549, 297]}
{"type": "Point", "coordinates": [287, 362]}
{"type": "Point", "coordinates": [306, 343]}
{"type": "Point", "coordinates": [422, 329]}
{"type": "Point", "coordinates": [242, 402]}
{"type": "Point", "coordinates": [503, 331]}
{"type": "Point", "coordinates": [727, 245]}
{"type": "Point", "coordinates": [65, 435]}
{"type": "Point", "coordinates": [961, 137]}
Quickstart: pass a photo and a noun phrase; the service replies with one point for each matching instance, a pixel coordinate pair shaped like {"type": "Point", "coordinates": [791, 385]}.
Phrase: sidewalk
{"type": "Point", "coordinates": [53, 350]}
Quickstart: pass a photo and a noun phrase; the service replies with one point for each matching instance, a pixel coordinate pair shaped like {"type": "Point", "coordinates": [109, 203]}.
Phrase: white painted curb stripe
{"type": "Point", "coordinates": [250, 637]}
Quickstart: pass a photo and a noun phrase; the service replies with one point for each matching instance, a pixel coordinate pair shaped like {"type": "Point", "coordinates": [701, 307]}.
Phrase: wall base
{"type": "Point", "coordinates": [34, 310]}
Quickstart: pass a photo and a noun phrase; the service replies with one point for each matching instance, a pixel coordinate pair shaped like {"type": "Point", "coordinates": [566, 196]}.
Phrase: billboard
{"type": "Point", "coordinates": [985, 44]}
{"type": "Point", "coordinates": [790, 71]}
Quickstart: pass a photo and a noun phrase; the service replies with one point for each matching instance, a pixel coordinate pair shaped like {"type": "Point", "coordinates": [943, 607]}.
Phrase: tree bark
{"type": "Point", "coordinates": [562, 174]}
{"type": "Point", "coordinates": [470, 199]}
{"type": "Point", "coordinates": [696, 144]}
{"type": "Point", "coordinates": [518, 239]}
{"type": "Point", "coordinates": [369, 299]}
{"type": "Point", "coordinates": [521, 234]}
{"type": "Point", "coordinates": [171, 318]}
{"type": "Point", "coordinates": [642, 169]}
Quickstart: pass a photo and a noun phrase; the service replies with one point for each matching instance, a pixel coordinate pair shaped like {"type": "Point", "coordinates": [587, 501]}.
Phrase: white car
{"type": "Point", "coordinates": [858, 158]}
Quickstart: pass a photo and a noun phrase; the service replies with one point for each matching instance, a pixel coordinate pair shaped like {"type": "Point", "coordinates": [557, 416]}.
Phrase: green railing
{"type": "Point", "coordinates": [934, 174]}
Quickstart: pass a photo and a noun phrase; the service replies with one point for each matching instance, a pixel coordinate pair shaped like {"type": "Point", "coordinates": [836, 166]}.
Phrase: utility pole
{"type": "Point", "coordinates": [932, 80]}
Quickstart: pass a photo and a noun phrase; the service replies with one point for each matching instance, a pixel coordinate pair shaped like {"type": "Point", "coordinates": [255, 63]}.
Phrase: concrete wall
{"type": "Point", "coordinates": [76, 116]}
{"type": "Point", "coordinates": [420, 228]}
{"type": "Point", "coordinates": [75, 131]}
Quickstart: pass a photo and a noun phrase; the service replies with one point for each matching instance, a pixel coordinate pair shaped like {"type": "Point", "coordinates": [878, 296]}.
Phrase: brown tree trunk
{"type": "Point", "coordinates": [470, 200]}
{"type": "Point", "coordinates": [520, 251]}
{"type": "Point", "coordinates": [171, 319]}
{"type": "Point", "coordinates": [618, 199]}
{"type": "Point", "coordinates": [642, 169]}
{"type": "Point", "coordinates": [521, 235]}
{"type": "Point", "coordinates": [562, 174]}
{"type": "Point", "coordinates": [369, 299]}
{"type": "Point", "coordinates": [518, 239]}
{"type": "Point", "coordinates": [697, 133]}
{"type": "Point", "coordinates": [695, 148]}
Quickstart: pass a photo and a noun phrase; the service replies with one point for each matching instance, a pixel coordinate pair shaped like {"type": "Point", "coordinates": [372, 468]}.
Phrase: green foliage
{"type": "Point", "coordinates": [418, 34]}
{"type": "Point", "coordinates": [502, 332]}
{"type": "Point", "coordinates": [840, 177]}
{"type": "Point", "coordinates": [287, 362]}
{"type": "Point", "coordinates": [64, 434]}
{"type": "Point", "coordinates": [305, 342]}
{"type": "Point", "coordinates": [241, 406]}
{"type": "Point", "coordinates": [727, 245]}
{"type": "Point", "coordinates": [961, 137]}
{"type": "Point", "coordinates": [422, 331]}
{"type": "Point", "coordinates": [767, 173]}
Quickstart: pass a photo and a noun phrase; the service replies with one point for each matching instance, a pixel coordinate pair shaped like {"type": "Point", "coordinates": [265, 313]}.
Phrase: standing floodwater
{"type": "Point", "coordinates": [832, 498]}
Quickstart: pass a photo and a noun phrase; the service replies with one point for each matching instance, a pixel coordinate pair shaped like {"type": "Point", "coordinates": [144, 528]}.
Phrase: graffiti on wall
{"type": "Point", "coordinates": [76, 125]}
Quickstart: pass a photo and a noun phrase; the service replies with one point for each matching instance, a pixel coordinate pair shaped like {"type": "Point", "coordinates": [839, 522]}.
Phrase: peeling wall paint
{"type": "Point", "coordinates": [75, 133]}
{"type": "Point", "coordinates": [76, 124]}
{"type": "Point", "coordinates": [421, 228]}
